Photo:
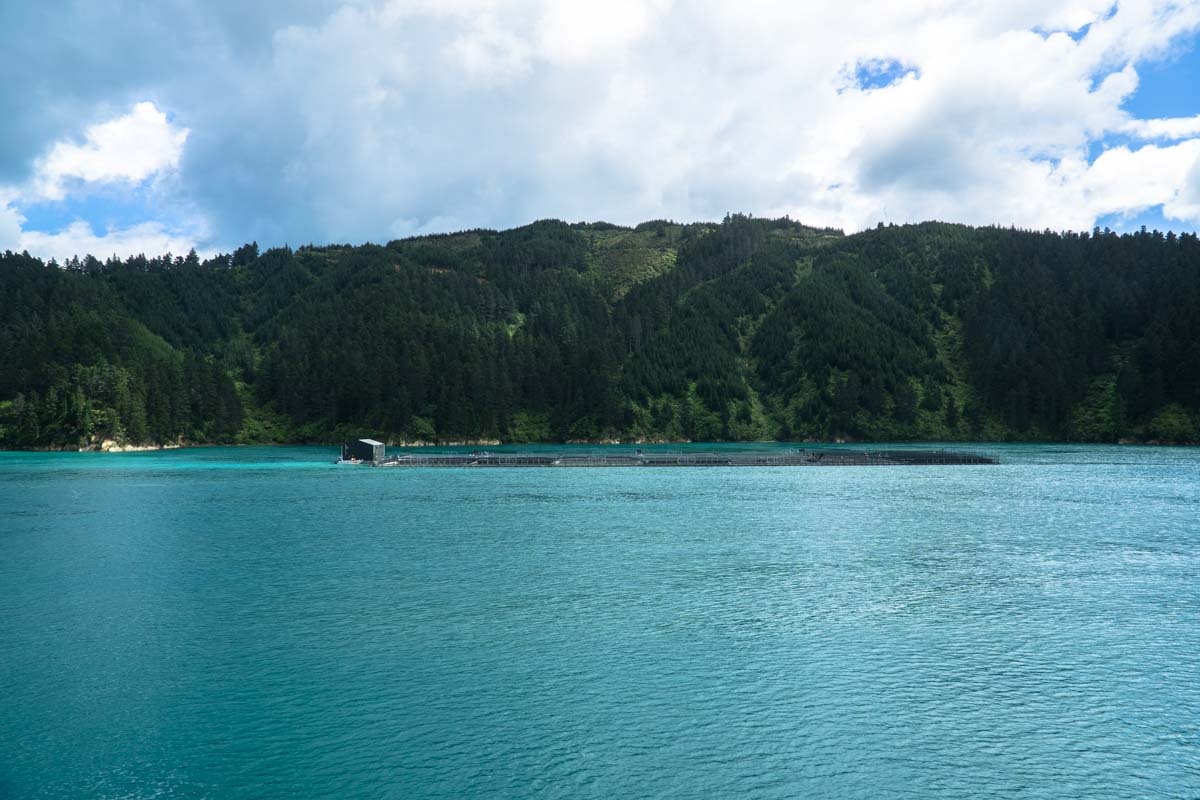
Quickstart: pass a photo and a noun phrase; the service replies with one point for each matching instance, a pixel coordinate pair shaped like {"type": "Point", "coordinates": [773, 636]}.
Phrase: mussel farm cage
{"type": "Point", "coordinates": [788, 458]}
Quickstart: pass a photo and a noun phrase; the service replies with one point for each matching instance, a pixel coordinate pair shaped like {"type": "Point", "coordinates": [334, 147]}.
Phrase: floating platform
{"type": "Point", "coordinates": [790, 458]}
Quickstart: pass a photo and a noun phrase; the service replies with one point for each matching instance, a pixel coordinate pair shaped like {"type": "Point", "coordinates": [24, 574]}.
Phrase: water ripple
{"type": "Point", "coordinates": [257, 623]}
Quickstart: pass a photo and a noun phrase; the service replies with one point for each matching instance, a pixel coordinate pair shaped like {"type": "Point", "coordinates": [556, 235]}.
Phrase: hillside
{"type": "Point", "coordinates": [747, 329]}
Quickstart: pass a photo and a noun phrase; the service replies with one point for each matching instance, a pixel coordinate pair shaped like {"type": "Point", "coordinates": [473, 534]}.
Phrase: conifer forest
{"type": "Point", "coordinates": [748, 329]}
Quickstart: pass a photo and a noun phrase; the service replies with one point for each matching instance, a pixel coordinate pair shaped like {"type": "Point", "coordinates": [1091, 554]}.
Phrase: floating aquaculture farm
{"type": "Point", "coordinates": [638, 458]}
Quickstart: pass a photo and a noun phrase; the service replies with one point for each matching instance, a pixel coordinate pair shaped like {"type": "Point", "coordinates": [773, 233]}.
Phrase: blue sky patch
{"type": "Point", "coordinates": [1096, 147]}
{"type": "Point", "coordinates": [103, 210]}
{"type": "Point", "coordinates": [1152, 218]}
{"type": "Point", "coordinates": [880, 73]}
{"type": "Point", "coordinates": [1171, 87]}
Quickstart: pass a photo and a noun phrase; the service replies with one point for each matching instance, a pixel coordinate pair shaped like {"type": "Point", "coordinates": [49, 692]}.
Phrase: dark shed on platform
{"type": "Point", "coordinates": [364, 449]}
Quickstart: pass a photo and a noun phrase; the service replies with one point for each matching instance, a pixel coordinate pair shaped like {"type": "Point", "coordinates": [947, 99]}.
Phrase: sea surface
{"type": "Point", "coordinates": [260, 623]}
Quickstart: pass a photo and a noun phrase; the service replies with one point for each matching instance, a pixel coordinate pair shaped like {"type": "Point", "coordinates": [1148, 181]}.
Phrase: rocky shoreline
{"type": "Point", "coordinates": [105, 446]}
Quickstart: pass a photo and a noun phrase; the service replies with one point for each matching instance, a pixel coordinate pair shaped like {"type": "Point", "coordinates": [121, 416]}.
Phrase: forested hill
{"type": "Point", "coordinates": [748, 329]}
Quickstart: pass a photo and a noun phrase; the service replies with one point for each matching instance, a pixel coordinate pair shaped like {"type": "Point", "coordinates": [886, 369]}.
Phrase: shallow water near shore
{"type": "Point", "coordinates": [257, 622]}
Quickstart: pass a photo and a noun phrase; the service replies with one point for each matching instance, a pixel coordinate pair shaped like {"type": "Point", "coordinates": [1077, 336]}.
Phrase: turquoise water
{"type": "Point", "coordinates": [259, 623]}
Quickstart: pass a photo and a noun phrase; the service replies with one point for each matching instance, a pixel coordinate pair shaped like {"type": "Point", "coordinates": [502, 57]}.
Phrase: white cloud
{"type": "Point", "coordinates": [78, 238]}
{"type": "Point", "coordinates": [1169, 128]}
{"type": "Point", "coordinates": [386, 117]}
{"type": "Point", "coordinates": [119, 154]}
{"type": "Point", "coordinates": [1073, 16]}
{"type": "Point", "coordinates": [635, 110]}
{"type": "Point", "coordinates": [10, 226]}
{"type": "Point", "coordinates": [490, 55]}
{"type": "Point", "coordinates": [128, 149]}
{"type": "Point", "coordinates": [586, 29]}
{"type": "Point", "coordinates": [1186, 203]}
{"type": "Point", "coordinates": [1122, 179]}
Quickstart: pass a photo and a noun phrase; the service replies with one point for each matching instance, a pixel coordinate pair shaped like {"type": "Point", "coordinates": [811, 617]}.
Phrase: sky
{"type": "Point", "coordinates": [160, 126]}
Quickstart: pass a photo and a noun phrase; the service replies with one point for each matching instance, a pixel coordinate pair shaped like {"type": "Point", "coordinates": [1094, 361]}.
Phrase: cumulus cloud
{"type": "Point", "coordinates": [1171, 128]}
{"type": "Point", "coordinates": [10, 226]}
{"type": "Point", "coordinates": [150, 238]}
{"type": "Point", "coordinates": [590, 29]}
{"type": "Point", "coordinates": [1186, 204]}
{"type": "Point", "coordinates": [352, 121]}
{"type": "Point", "coordinates": [121, 153]}
{"type": "Point", "coordinates": [488, 55]}
{"type": "Point", "coordinates": [79, 238]}
{"type": "Point", "coordinates": [1125, 181]}
{"type": "Point", "coordinates": [502, 112]}
{"type": "Point", "coordinates": [127, 149]}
